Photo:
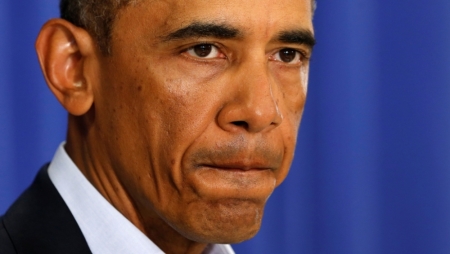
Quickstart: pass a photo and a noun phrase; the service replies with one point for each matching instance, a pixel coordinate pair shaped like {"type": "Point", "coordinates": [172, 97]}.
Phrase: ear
{"type": "Point", "coordinates": [65, 54]}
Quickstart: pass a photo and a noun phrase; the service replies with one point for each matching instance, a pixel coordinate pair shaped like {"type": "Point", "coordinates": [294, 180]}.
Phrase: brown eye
{"type": "Point", "coordinates": [288, 55]}
{"type": "Point", "coordinates": [204, 51]}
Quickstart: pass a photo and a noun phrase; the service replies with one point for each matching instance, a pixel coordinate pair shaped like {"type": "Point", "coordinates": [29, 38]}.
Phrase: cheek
{"type": "Point", "coordinates": [292, 86]}
{"type": "Point", "coordinates": [184, 105]}
{"type": "Point", "coordinates": [289, 130]}
{"type": "Point", "coordinates": [177, 104]}
{"type": "Point", "coordinates": [188, 94]}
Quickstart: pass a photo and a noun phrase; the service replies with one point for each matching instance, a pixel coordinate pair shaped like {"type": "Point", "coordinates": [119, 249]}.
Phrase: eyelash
{"type": "Point", "coordinates": [303, 54]}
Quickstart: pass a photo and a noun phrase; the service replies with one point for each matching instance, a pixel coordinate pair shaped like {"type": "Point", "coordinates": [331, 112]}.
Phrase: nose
{"type": "Point", "coordinates": [253, 106]}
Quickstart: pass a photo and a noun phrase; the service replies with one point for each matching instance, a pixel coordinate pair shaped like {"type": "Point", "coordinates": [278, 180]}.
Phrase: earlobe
{"type": "Point", "coordinates": [64, 50]}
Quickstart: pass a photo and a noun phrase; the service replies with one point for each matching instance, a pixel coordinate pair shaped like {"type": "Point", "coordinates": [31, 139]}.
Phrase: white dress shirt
{"type": "Point", "coordinates": [105, 229]}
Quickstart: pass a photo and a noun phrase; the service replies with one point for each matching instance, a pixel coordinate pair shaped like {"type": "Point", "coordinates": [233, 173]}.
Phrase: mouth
{"type": "Point", "coordinates": [246, 162]}
{"type": "Point", "coordinates": [235, 171]}
{"type": "Point", "coordinates": [247, 180]}
{"type": "Point", "coordinates": [236, 166]}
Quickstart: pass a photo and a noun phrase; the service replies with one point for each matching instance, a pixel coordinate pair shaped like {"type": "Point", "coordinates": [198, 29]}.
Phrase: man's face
{"type": "Point", "coordinates": [199, 106]}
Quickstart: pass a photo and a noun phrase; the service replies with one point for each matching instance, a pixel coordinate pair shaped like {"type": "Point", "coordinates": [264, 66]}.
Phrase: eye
{"type": "Point", "coordinates": [288, 55]}
{"type": "Point", "coordinates": [206, 51]}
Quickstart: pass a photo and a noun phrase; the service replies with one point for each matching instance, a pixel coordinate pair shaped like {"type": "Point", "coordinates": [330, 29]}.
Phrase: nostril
{"type": "Point", "coordinates": [242, 124]}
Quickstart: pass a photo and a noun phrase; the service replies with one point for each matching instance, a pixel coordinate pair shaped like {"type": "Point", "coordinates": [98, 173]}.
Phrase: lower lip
{"type": "Point", "coordinates": [216, 182]}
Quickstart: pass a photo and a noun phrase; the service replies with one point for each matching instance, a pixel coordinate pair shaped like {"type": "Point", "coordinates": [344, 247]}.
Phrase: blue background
{"type": "Point", "coordinates": [372, 167]}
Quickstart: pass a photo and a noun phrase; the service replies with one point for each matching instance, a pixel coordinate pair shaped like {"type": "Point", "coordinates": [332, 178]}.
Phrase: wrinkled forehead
{"type": "Point", "coordinates": [134, 2]}
{"type": "Point", "coordinates": [249, 16]}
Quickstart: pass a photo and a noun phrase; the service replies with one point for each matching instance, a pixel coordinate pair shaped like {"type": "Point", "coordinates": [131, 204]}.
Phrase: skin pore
{"type": "Point", "coordinates": [191, 122]}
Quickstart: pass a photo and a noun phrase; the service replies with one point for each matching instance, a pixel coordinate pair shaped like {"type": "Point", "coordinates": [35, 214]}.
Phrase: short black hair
{"type": "Point", "coordinates": [96, 16]}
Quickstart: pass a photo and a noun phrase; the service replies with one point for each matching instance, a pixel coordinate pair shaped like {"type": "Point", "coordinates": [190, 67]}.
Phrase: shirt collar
{"type": "Point", "coordinates": [94, 213]}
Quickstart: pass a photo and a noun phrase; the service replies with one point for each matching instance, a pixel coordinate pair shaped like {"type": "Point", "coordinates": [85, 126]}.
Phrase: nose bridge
{"type": "Point", "coordinates": [255, 105]}
{"type": "Point", "coordinates": [258, 89]}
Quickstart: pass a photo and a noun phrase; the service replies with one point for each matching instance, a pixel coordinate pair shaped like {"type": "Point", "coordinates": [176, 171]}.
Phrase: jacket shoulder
{"type": "Point", "coordinates": [39, 221]}
{"type": "Point", "coordinates": [6, 246]}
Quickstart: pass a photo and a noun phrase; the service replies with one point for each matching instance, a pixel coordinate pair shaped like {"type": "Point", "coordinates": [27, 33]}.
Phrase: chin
{"type": "Point", "coordinates": [229, 221]}
{"type": "Point", "coordinates": [236, 235]}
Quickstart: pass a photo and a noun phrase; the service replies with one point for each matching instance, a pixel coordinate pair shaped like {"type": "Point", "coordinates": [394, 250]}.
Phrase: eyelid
{"type": "Point", "coordinates": [305, 55]}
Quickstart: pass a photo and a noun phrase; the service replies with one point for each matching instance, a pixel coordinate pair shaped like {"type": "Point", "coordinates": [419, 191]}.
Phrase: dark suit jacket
{"type": "Point", "coordinates": [40, 222]}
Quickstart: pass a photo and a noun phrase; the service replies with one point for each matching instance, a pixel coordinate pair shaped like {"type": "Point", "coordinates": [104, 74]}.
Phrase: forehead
{"type": "Point", "coordinates": [250, 16]}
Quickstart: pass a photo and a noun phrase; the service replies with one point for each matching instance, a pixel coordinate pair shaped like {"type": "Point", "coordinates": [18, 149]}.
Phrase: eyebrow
{"type": "Point", "coordinates": [223, 31]}
{"type": "Point", "coordinates": [200, 29]}
{"type": "Point", "coordinates": [300, 36]}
